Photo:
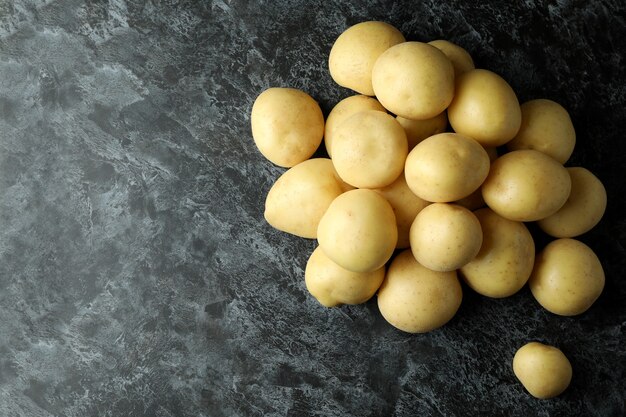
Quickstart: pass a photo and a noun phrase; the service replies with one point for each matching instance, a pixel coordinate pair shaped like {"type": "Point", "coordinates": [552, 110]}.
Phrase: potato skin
{"type": "Point", "coordinates": [333, 285]}
{"type": "Point", "coordinates": [583, 209]}
{"type": "Point", "coordinates": [505, 260]}
{"type": "Point", "coordinates": [418, 130]}
{"type": "Point", "coordinates": [461, 60]}
{"type": "Point", "coordinates": [567, 278]}
{"type": "Point", "coordinates": [415, 299]}
{"type": "Point", "coordinates": [287, 125]}
{"type": "Point", "coordinates": [543, 370]}
{"type": "Point", "coordinates": [355, 52]}
{"type": "Point", "coordinates": [526, 186]}
{"type": "Point", "coordinates": [358, 231]}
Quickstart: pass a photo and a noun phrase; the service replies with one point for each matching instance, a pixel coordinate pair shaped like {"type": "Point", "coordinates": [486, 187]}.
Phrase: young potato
{"type": "Point", "coordinates": [475, 200]}
{"type": "Point", "coordinates": [418, 130]}
{"type": "Point", "coordinates": [358, 231]}
{"type": "Point", "coordinates": [298, 199]}
{"type": "Point", "coordinates": [355, 51]}
{"type": "Point", "coordinates": [568, 277]}
{"type": "Point", "coordinates": [369, 149]}
{"type": "Point", "coordinates": [287, 125]}
{"type": "Point", "coordinates": [333, 285]}
{"type": "Point", "coordinates": [526, 186]}
{"type": "Point", "coordinates": [446, 167]}
{"type": "Point", "coordinates": [344, 109]}
{"type": "Point", "coordinates": [485, 108]}
{"type": "Point", "coordinates": [583, 209]}
{"type": "Point", "coordinates": [460, 58]}
{"type": "Point", "coordinates": [414, 80]}
{"type": "Point", "coordinates": [444, 237]}
{"type": "Point", "coordinates": [405, 206]}
{"type": "Point", "coordinates": [416, 299]}
{"type": "Point", "coordinates": [546, 127]}
{"type": "Point", "coordinates": [506, 257]}
{"type": "Point", "coordinates": [543, 370]}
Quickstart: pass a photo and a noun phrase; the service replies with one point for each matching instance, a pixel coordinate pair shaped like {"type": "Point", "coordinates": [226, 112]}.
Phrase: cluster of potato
{"type": "Point", "coordinates": [450, 203]}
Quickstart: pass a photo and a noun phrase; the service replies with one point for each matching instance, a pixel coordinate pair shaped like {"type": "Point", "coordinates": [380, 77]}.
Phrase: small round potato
{"type": "Point", "coordinates": [414, 80]}
{"type": "Point", "coordinates": [506, 257]}
{"type": "Point", "coordinates": [446, 167]}
{"type": "Point", "coordinates": [405, 206]}
{"type": "Point", "coordinates": [344, 109]}
{"type": "Point", "coordinates": [485, 108]}
{"type": "Point", "coordinates": [543, 370]}
{"type": "Point", "coordinates": [358, 231]}
{"type": "Point", "coordinates": [546, 127]}
{"type": "Point", "coordinates": [333, 285]}
{"type": "Point", "coordinates": [444, 237]}
{"type": "Point", "coordinates": [418, 130]}
{"type": "Point", "coordinates": [287, 125]}
{"type": "Point", "coordinates": [416, 299]}
{"type": "Point", "coordinates": [369, 149]}
{"type": "Point", "coordinates": [460, 58]}
{"type": "Point", "coordinates": [568, 277]}
{"type": "Point", "coordinates": [583, 209]}
{"type": "Point", "coordinates": [526, 186]}
{"type": "Point", "coordinates": [300, 197]}
{"type": "Point", "coordinates": [355, 51]}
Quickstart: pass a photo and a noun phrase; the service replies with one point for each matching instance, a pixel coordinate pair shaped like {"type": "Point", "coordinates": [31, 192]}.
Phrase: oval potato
{"type": "Point", "coordinates": [543, 370]}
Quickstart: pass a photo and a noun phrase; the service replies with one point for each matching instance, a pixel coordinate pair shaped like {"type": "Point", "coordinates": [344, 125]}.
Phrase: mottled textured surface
{"type": "Point", "coordinates": [137, 275]}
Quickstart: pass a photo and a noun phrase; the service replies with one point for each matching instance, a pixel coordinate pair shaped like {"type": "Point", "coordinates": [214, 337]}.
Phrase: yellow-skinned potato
{"type": "Point", "coordinates": [416, 299]}
{"type": "Point", "coordinates": [485, 108]}
{"type": "Point", "coordinates": [543, 370]}
{"type": "Point", "coordinates": [567, 278]}
{"type": "Point", "coordinates": [460, 58]}
{"type": "Point", "coordinates": [287, 125]}
{"type": "Point", "coordinates": [475, 200]}
{"type": "Point", "coordinates": [344, 109]}
{"type": "Point", "coordinates": [369, 149]}
{"type": "Point", "coordinates": [446, 167]}
{"type": "Point", "coordinates": [583, 209]}
{"type": "Point", "coordinates": [444, 237]}
{"type": "Point", "coordinates": [358, 231]}
{"type": "Point", "coordinates": [418, 130]}
{"type": "Point", "coordinates": [355, 51]}
{"type": "Point", "coordinates": [506, 257]}
{"type": "Point", "coordinates": [405, 206]}
{"type": "Point", "coordinates": [546, 127]}
{"type": "Point", "coordinates": [414, 80]}
{"type": "Point", "coordinates": [526, 186]}
{"type": "Point", "coordinates": [333, 285]}
{"type": "Point", "coordinates": [299, 198]}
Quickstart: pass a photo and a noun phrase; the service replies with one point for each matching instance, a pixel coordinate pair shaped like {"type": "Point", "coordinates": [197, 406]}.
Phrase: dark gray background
{"type": "Point", "coordinates": [137, 275]}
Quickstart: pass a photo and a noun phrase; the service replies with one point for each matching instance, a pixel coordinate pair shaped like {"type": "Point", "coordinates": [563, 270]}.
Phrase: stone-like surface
{"type": "Point", "coordinates": [137, 275]}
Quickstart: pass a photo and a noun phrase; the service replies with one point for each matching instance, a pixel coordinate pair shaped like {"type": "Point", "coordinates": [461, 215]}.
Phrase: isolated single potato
{"type": "Point", "coordinates": [543, 370]}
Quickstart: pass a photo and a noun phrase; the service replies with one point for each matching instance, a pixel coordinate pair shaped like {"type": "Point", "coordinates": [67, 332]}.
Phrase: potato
{"type": "Point", "coordinates": [355, 51]}
{"type": "Point", "coordinates": [298, 199]}
{"type": "Point", "coordinates": [344, 109]}
{"type": "Point", "coordinates": [333, 285]}
{"type": "Point", "coordinates": [567, 278]}
{"type": "Point", "coordinates": [485, 108]}
{"type": "Point", "coordinates": [543, 370]}
{"type": "Point", "coordinates": [526, 186]}
{"type": "Point", "coordinates": [475, 200]}
{"type": "Point", "coordinates": [414, 80]}
{"type": "Point", "coordinates": [358, 231]}
{"type": "Point", "coordinates": [446, 167]}
{"type": "Point", "coordinates": [405, 206]}
{"type": "Point", "coordinates": [583, 209]}
{"type": "Point", "coordinates": [416, 299]}
{"type": "Point", "coordinates": [444, 237]}
{"type": "Point", "coordinates": [418, 130]}
{"type": "Point", "coordinates": [287, 125]}
{"type": "Point", "coordinates": [506, 257]}
{"type": "Point", "coordinates": [369, 149]}
{"type": "Point", "coordinates": [546, 127]}
{"type": "Point", "coordinates": [460, 58]}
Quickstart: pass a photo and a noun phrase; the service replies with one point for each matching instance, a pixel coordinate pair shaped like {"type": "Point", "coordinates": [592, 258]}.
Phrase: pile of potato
{"type": "Point", "coordinates": [437, 162]}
